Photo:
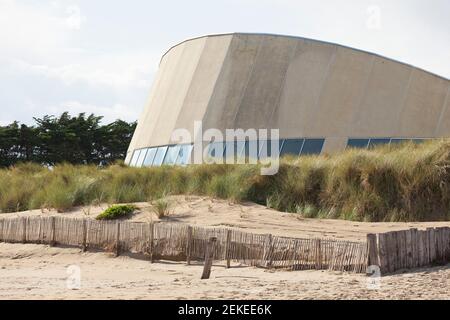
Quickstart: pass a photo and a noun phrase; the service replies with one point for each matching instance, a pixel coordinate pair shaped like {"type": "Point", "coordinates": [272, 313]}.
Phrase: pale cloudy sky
{"type": "Point", "coordinates": [101, 55]}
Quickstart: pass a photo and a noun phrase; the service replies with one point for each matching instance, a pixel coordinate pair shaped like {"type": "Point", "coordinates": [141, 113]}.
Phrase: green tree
{"type": "Point", "coordinates": [79, 140]}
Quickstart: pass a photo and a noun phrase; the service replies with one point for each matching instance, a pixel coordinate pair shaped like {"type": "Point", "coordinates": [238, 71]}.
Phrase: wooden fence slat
{"type": "Point", "coordinates": [53, 232]}
{"type": "Point", "coordinates": [117, 247]}
{"type": "Point", "coordinates": [372, 248]}
{"type": "Point", "coordinates": [446, 245]}
{"type": "Point", "coordinates": [85, 232]}
{"type": "Point", "coordinates": [151, 235]}
{"type": "Point", "coordinates": [414, 248]}
{"type": "Point", "coordinates": [383, 254]}
{"type": "Point", "coordinates": [392, 251]}
{"type": "Point", "coordinates": [409, 249]}
{"type": "Point", "coordinates": [431, 246]}
{"type": "Point", "coordinates": [188, 245]}
{"type": "Point", "coordinates": [228, 248]}
{"type": "Point", "coordinates": [402, 249]}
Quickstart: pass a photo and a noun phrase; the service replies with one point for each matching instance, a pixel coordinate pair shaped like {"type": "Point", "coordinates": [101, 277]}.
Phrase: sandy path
{"type": "Point", "coordinates": [205, 211]}
{"type": "Point", "coordinates": [40, 272]}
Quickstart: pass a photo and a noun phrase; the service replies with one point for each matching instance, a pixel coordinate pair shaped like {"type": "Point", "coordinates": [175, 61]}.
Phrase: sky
{"type": "Point", "coordinates": [100, 56]}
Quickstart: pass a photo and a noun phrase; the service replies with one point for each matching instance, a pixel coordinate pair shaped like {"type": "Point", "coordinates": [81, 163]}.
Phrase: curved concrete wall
{"type": "Point", "coordinates": [303, 87]}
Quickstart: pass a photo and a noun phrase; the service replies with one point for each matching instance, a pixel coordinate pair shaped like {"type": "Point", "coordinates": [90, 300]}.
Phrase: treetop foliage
{"type": "Point", "coordinates": [79, 139]}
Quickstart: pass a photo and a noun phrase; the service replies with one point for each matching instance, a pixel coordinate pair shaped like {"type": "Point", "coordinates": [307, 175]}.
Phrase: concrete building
{"type": "Point", "coordinates": [323, 97]}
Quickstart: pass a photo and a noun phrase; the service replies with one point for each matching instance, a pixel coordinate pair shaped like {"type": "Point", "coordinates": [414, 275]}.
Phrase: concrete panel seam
{"type": "Point", "coordinates": [443, 110]}
{"type": "Point", "coordinates": [248, 79]}
{"type": "Point", "coordinates": [358, 110]}
{"type": "Point", "coordinates": [322, 84]}
{"type": "Point", "coordinates": [405, 95]}
{"type": "Point", "coordinates": [193, 77]}
{"type": "Point", "coordinates": [283, 83]}
{"type": "Point", "coordinates": [214, 90]}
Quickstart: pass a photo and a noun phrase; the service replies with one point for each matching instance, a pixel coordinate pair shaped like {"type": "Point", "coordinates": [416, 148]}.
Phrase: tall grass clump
{"type": "Point", "coordinates": [161, 207]}
{"type": "Point", "coordinates": [408, 182]}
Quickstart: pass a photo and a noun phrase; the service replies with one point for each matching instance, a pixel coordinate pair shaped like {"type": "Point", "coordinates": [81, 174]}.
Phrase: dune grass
{"type": "Point", "coordinates": [403, 183]}
{"type": "Point", "coordinates": [161, 207]}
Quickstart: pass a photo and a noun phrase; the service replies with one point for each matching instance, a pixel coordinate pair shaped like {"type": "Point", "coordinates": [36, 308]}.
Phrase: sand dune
{"type": "Point", "coordinates": [251, 217]}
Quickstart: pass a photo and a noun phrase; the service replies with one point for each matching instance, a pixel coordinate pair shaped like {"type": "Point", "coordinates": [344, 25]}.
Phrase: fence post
{"type": "Point", "coordinates": [432, 245]}
{"type": "Point", "coordinates": [318, 251]}
{"type": "Point", "coordinates": [446, 244]}
{"type": "Point", "coordinates": [421, 248]}
{"type": "Point", "coordinates": [227, 248]}
{"type": "Point", "coordinates": [372, 250]}
{"type": "Point", "coordinates": [208, 258]}
{"type": "Point", "coordinates": [188, 245]}
{"type": "Point", "coordinates": [118, 239]}
{"type": "Point", "coordinates": [268, 250]}
{"type": "Point", "coordinates": [53, 224]}
{"type": "Point", "coordinates": [84, 244]}
{"type": "Point", "coordinates": [151, 240]}
{"type": "Point", "coordinates": [383, 253]}
{"type": "Point", "coordinates": [39, 240]}
{"type": "Point", "coordinates": [24, 229]}
{"type": "Point", "coordinates": [409, 249]}
{"type": "Point", "coordinates": [414, 247]}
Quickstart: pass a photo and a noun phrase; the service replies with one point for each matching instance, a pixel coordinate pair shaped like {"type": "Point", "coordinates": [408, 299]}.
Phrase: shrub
{"type": "Point", "coordinates": [116, 212]}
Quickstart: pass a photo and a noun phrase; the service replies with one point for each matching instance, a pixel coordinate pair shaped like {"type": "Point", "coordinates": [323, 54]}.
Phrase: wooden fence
{"type": "Point", "coordinates": [175, 241]}
{"type": "Point", "coordinates": [409, 249]}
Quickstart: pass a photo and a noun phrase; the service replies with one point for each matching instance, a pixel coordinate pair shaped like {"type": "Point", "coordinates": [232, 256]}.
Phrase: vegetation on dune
{"type": "Point", "coordinates": [116, 212]}
{"type": "Point", "coordinates": [403, 183]}
{"type": "Point", "coordinates": [161, 207]}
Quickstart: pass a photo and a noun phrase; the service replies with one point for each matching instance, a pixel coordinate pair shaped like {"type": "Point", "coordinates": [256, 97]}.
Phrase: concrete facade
{"type": "Point", "coordinates": [303, 87]}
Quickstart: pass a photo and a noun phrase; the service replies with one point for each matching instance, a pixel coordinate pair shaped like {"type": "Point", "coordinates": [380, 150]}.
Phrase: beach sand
{"type": "Point", "coordinates": [29, 271]}
{"type": "Point", "coordinates": [41, 272]}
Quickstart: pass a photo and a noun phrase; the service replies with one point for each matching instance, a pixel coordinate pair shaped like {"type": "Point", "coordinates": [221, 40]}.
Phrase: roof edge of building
{"type": "Point", "coordinates": [303, 38]}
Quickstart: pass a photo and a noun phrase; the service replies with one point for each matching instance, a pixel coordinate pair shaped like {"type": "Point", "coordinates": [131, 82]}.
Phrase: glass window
{"type": "Point", "coordinates": [292, 146]}
{"type": "Point", "coordinates": [264, 149]}
{"type": "Point", "coordinates": [240, 149]}
{"type": "Point", "coordinates": [266, 146]}
{"type": "Point", "coordinates": [251, 149]}
{"type": "Point", "coordinates": [135, 157]}
{"type": "Point", "coordinates": [357, 143]}
{"type": "Point", "coordinates": [184, 155]}
{"type": "Point", "coordinates": [171, 155]}
{"type": "Point", "coordinates": [148, 161]}
{"type": "Point", "coordinates": [159, 156]}
{"type": "Point", "coordinates": [378, 141]}
{"type": "Point", "coordinates": [216, 149]}
{"type": "Point", "coordinates": [141, 158]}
{"type": "Point", "coordinates": [398, 140]}
{"type": "Point", "coordinates": [312, 146]}
{"type": "Point", "coordinates": [418, 140]}
{"type": "Point", "coordinates": [230, 149]}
